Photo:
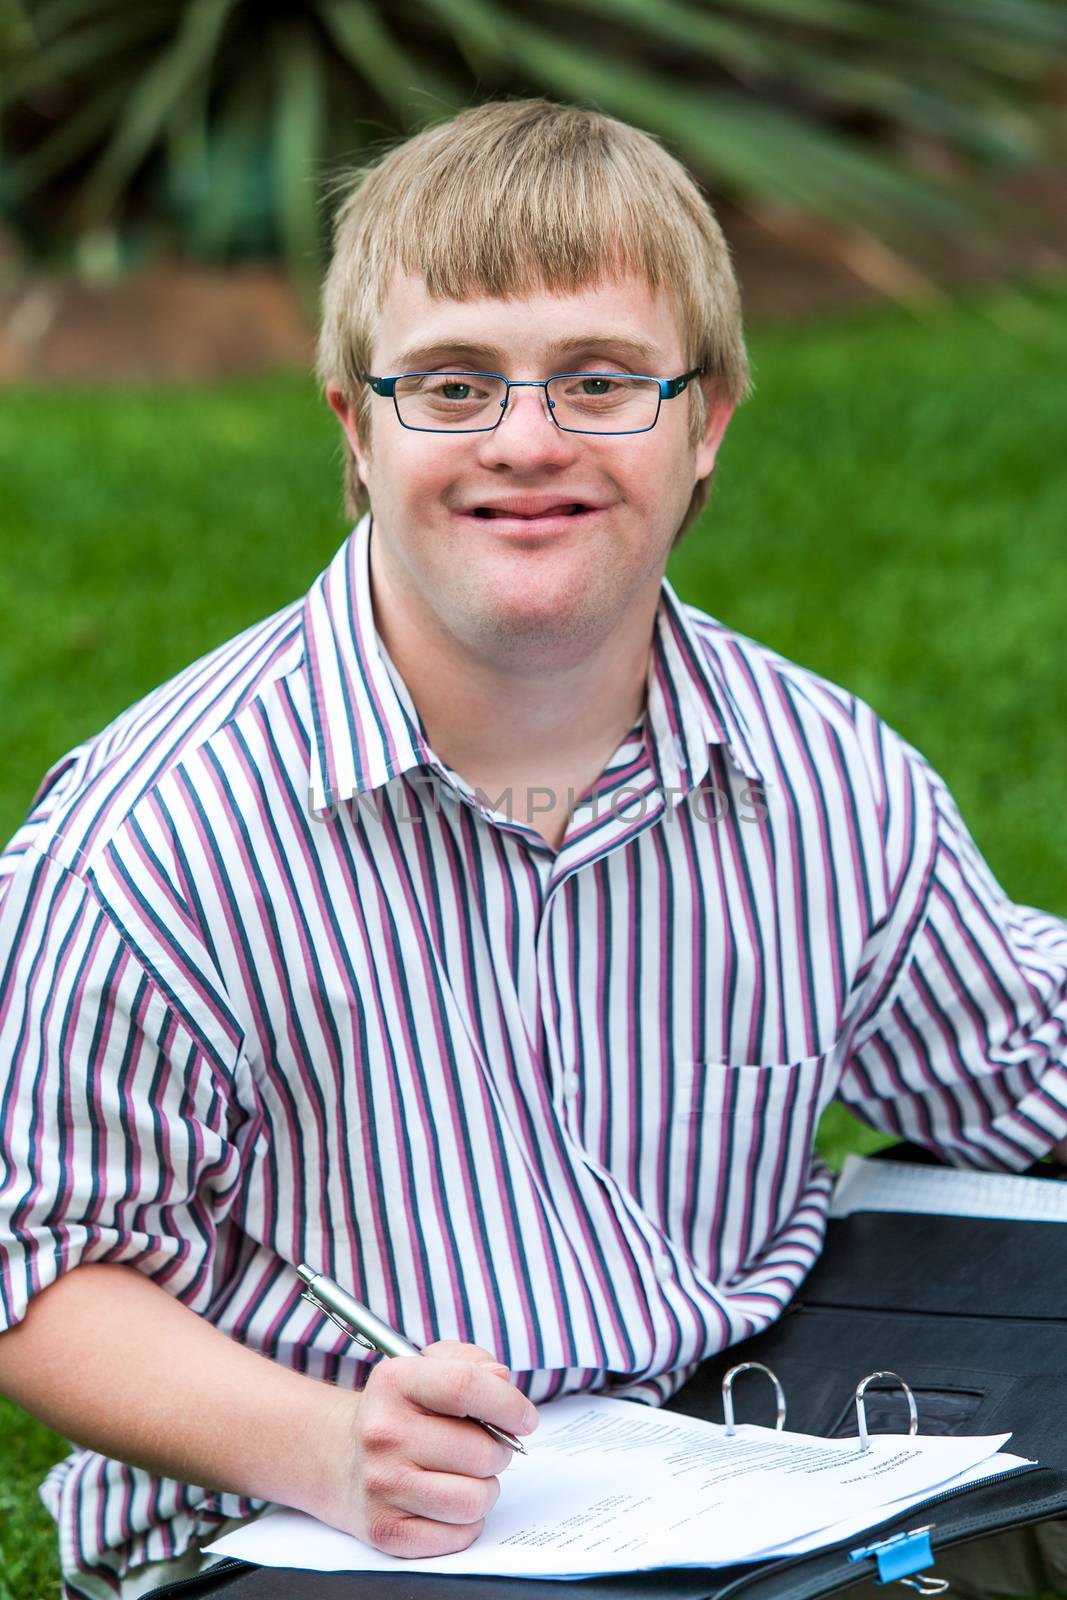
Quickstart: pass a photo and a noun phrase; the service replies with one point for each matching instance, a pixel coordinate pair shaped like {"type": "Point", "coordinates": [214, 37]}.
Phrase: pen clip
{"type": "Point", "coordinates": [358, 1338]}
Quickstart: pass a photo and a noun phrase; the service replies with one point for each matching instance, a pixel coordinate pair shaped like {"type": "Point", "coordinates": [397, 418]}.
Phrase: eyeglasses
{"type": "Point", "coordinates": [578, 402]}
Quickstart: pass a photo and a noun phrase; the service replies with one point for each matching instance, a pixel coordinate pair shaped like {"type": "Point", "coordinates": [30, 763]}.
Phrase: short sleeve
{"type": "Point", "coordinates": [963, 1044]}
{"type": "Point", "coordinates": [122, 1138]}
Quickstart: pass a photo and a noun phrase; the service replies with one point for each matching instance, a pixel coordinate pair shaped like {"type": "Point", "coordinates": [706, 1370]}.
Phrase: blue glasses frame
{"type": "Point", "coordinates": [669, 389]}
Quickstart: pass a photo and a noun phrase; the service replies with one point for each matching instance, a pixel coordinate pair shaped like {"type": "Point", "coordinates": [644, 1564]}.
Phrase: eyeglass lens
{"type": "Point", "coordinates": [587, 401]}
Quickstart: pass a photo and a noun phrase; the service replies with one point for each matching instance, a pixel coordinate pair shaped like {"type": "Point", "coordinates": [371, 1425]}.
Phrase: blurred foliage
{"type": "Point", "coordinates": [216, 122]}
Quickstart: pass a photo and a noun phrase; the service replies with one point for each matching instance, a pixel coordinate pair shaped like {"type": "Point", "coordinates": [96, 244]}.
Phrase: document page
{"type": "Point", "coordinates": [945, 1191]}
{"type": "Point", "coordinates": [997, 1466]}
{"type": "Point", "coordinates": [612, 1486]}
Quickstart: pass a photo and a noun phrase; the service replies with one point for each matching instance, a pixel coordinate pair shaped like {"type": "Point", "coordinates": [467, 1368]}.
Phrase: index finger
{"type": "Point", "coordinates": [453, 1350]}
{"type": "Point", "coordinates": [464, 1389]}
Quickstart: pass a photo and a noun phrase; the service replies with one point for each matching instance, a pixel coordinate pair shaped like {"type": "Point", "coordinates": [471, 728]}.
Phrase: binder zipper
{"type": "Point", "coordinates": [837, 1308]}
{"type": "Point", "coordinates": [177, 1585]}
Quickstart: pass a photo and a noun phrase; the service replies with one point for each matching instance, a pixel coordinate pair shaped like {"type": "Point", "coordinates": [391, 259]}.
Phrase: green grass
{"type": "Point", "coordinates": [889, 511]}
{"type": "Point", "coordinates": [29, 1564]}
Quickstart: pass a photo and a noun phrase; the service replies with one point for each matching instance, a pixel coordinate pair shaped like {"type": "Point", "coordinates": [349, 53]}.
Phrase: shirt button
{"type": "Point", "coordinates": [570, 1084]}
{"type": "Point", "coordinates": [663, 1267]}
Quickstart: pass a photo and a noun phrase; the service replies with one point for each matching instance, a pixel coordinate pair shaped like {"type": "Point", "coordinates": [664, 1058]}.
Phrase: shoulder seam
{"type": "Point", "coordinates": [61, 834]}
{"type": "Point", "coordinates": [147, 968]}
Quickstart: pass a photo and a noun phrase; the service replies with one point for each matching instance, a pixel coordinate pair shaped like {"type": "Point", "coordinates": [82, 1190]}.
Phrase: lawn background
{"type": "Point", "coordinates": [888, 511]}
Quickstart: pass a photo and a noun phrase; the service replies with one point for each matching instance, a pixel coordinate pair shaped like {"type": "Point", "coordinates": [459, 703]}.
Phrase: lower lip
{"type": "Point", "coordinates": [535, 527]}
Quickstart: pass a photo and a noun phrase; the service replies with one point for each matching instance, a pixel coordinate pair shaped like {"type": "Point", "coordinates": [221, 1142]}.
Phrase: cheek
{"type": "Point", "coordinates": [414, 466]}
{"type": "Point", "coordinates": [649, 468]}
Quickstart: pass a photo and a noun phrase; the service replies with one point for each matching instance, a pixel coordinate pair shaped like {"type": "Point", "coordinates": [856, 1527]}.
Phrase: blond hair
{"type": "Point", "coordinates": [514, 196]}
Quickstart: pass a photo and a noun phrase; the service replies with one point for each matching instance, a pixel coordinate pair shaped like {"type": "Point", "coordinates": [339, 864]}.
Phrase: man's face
{"type": "Point", "coordinates": [542, 587]}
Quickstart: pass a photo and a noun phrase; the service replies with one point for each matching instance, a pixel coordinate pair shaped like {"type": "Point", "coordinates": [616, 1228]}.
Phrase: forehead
{"type": "Point", "coordinates": [536, 328]}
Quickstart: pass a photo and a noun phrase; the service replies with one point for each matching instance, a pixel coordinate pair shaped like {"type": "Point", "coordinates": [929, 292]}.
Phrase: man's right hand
{"type": "Point", "coordinates": [394, 1463]}
{"type": "Point", "coordinates": [415, 1477]}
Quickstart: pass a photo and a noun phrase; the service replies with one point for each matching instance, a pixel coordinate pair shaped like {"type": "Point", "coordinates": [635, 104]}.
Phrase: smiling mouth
{"type": "Point", "coordinates": [572, 510]}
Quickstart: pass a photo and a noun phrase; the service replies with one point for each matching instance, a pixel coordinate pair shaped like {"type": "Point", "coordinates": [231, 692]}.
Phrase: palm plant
{"type": "Point", "coordinates": [223, 118]}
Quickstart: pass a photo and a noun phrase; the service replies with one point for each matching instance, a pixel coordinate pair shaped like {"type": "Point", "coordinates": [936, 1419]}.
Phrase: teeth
{"type": "Point", "coordinates": [496, 511]}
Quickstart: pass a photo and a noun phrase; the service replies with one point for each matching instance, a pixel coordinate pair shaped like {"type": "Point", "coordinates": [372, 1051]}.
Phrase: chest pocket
{"type": "Point", "coordinates": [743, 1136]}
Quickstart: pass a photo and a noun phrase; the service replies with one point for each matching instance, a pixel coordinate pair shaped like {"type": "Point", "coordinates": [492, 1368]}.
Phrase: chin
{"type": "Point", "coordinates": [552, 627]}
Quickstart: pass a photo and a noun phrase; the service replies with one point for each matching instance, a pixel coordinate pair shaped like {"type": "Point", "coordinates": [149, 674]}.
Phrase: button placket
{"type": "Point", "coordinates": [663, 1266]}
{"type": "Point", "coordinates": [564, 1079]}
{"type": "Point", "coordinates": [544, 986]}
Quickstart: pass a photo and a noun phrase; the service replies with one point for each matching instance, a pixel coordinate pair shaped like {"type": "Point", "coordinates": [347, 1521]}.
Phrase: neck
{"type": "Point", "coordinates": [550, 720]}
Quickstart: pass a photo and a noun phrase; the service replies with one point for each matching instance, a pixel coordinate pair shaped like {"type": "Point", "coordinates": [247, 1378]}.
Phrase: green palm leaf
{"type": "Point", "coordinates": [297, 143]}
{"type": "Point", "coordinates": [233, 167]}
{"type": "Point", "coordinates": [358, 30]}
{"type": "Point", "coordinates": [77, 52]}
{"type": "Point", "coordinates": [989, 128]}
{"type": "Point", "coordinates": [170, 77]}
{"type": "Point", "coordinates": [784, 106]}
{"type": "Point", "coordinates": [64, 144]}
{"type": "Point", "coordinates": [750, 149]}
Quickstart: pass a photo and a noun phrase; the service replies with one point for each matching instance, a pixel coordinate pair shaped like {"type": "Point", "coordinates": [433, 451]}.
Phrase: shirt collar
{"type": "Point", "coordinates": [367, 730]}
{"type": "Point", "coordinates": [364, 735]}
{"type": "Point", "coordinates": [691, 705]}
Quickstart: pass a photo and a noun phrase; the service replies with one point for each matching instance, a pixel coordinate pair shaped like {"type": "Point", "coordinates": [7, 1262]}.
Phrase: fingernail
{"type": "Point", "coordinates": [529, 1419]}
{"type": "Point", "coordinates": [497, 1367]}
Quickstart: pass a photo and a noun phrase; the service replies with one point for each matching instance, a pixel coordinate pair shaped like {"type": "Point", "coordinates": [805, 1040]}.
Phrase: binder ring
{"type": "Point", "coordinates": [861, 1410]}
{"type": "Point", "coordinates": [728, 1396]}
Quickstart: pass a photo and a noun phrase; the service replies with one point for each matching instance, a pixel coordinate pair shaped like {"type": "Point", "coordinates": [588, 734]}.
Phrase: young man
{"type": "Point", "coordinates": [486, 930]}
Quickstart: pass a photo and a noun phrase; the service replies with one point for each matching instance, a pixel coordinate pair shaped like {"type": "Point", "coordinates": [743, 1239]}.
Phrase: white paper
{"type": "Point", "coordinates": [945, 1191]}
{"type": "Point", "coordinates": [610, 1486]}
{"type": "Point", "coordinates": [998, 1466]}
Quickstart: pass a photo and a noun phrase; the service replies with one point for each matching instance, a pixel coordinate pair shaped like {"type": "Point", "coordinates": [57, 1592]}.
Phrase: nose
{"type": "Point", "coordinates": [526, 435]}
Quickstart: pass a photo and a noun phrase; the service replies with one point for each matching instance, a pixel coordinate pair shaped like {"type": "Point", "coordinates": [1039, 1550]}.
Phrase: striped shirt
{"type": "Point", "coordinates": [276, 985]}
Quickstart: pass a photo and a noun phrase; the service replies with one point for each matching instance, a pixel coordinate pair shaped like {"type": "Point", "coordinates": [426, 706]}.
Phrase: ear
{"type": "Point", "coordinates": [720, 410]}
{"type": "Point", "coordinates": [346, 415]}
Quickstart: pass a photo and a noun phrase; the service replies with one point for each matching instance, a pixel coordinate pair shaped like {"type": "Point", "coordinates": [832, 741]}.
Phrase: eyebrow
{"type": "Point", "coordinates": [640, 351]}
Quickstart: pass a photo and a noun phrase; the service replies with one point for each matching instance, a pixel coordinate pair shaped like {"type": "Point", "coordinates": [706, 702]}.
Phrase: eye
{"type": "Point", "coordinates": [457, 388]}
{"type": "Point", "coordinates": [453, 389]}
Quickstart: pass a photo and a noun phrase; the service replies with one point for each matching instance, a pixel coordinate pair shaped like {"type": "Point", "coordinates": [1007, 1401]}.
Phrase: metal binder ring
{"type": "Point", "coordinates": [926, 1583]}
{"type": "Point", "coordinates": [861, 1410]}
{"type": "Point", "coordinates": [728, 1397]}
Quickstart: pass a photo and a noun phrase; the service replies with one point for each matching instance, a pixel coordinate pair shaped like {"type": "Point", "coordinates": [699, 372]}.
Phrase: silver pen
{"type": "Point", "coordinates": [360, 1324]}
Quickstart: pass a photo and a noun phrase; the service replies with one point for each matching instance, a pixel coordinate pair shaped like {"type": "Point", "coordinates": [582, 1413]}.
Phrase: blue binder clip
{"type": "Point", "coordinates": [901, 1559]}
